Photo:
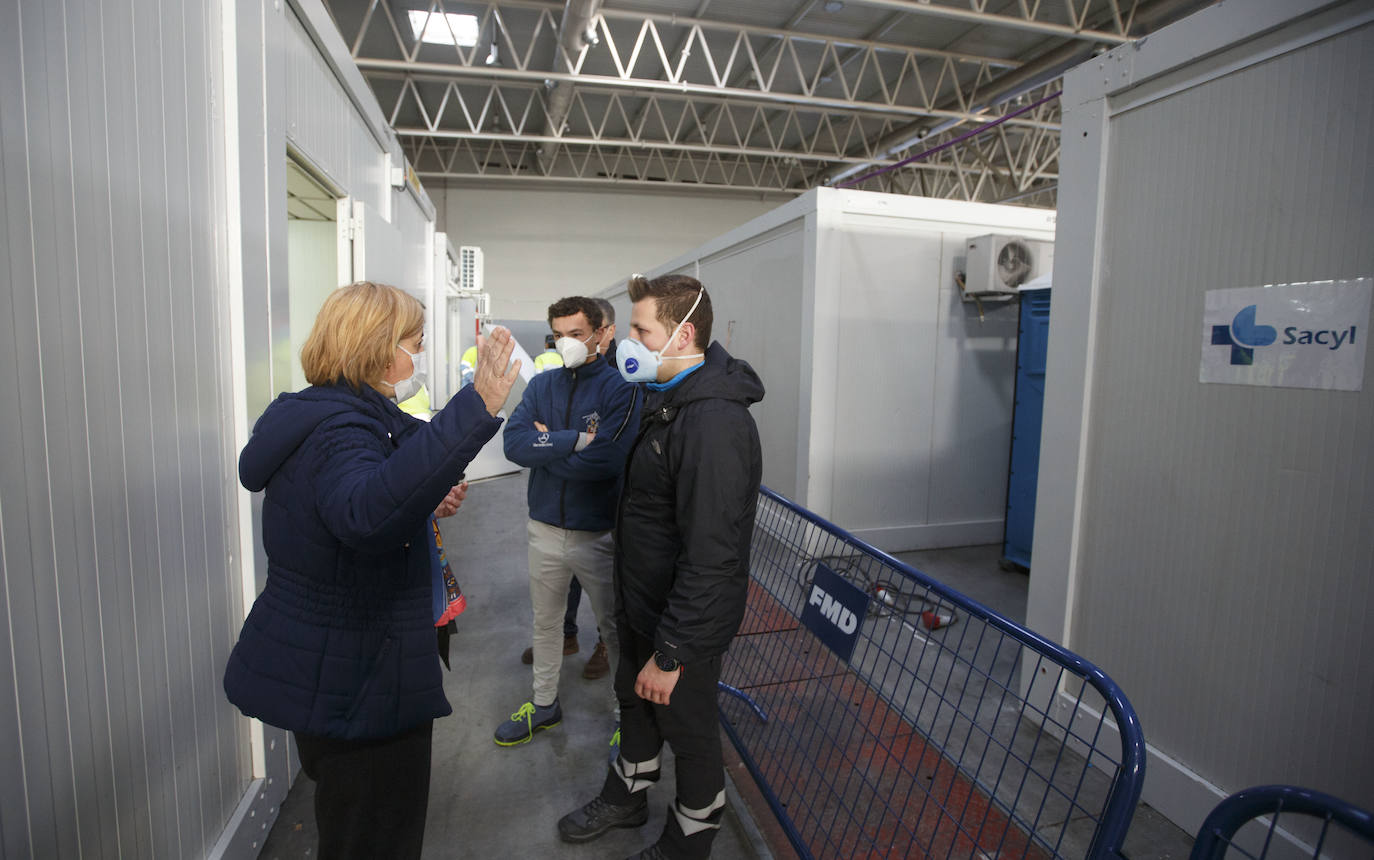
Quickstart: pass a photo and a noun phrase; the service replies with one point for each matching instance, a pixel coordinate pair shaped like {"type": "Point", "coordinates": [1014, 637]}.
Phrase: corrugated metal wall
{"type": "Point", "coordinates": [322, 121]}
{"type": "Point", "coordinates": [115, 512]}
{"type": "Point", "coordinates": [1227, 555]}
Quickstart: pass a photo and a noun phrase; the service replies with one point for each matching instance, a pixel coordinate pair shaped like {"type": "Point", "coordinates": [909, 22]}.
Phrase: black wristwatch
{"type": "Point", "coordinates": [666, 663]}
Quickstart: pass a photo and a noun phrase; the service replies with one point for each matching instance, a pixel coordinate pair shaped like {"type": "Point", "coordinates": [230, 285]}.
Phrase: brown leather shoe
{"type": "Point", "coordinates": [570, 646]}
{"type": "Point", "coordinates": [598, 664]}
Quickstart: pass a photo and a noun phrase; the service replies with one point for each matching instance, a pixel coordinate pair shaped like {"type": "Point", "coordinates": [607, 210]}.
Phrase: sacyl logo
{"type": "Point", "coordinates": [833, 610]}
{"type": "Point", "coordinates": [1332, 339]}
{"type": "Point", "coordinates": [1243, 336]}
{"type": "Point", "coordinates": [1287, 335]}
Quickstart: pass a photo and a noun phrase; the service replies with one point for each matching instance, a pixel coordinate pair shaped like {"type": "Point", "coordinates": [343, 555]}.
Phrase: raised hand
{"type": "Point", "coordinates": [493, 379]}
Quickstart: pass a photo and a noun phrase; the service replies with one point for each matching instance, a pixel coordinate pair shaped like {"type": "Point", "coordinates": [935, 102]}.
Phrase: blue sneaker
{"type": "Point", "coordinates": [615, 743]}
{"type": "Point", "coordinates": [521, 726]}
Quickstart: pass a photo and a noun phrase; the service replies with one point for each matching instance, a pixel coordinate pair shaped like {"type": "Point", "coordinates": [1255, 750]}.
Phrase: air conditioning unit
{"type": "Point", "coordinates": [996, 265]}
{"type": "Point", "coordinates": [470, 269]}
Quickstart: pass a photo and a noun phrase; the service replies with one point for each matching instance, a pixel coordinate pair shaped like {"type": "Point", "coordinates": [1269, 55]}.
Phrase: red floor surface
{"type": "Point", "coordinates": [857, 779]}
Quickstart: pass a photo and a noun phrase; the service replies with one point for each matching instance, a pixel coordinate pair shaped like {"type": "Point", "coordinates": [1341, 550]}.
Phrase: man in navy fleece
{"type": "Point", "coordinates": [573, 429]}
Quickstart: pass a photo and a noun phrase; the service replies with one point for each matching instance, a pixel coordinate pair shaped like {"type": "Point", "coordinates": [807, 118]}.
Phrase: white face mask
{"type": "Point", "coordinates": [638, 363]}
{"type": "Point", "coordinates": [574, 352]}
{"type": "Point", "coordinates": [411, 385]}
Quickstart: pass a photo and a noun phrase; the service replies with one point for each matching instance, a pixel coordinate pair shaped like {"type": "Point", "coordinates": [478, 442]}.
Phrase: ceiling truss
{"type": "Point", "coordinates": [684, 102]}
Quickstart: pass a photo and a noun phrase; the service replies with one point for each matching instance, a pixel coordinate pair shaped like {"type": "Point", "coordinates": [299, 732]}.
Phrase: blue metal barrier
{"type": "Point", "coordinates": [883, 714]}
{"type": "Point", "coordinates": [1219, 832]}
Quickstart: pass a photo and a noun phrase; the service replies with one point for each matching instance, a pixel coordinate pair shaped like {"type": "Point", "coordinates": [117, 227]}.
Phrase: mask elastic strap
{"type": "Point", "coordinates": [672, 337]}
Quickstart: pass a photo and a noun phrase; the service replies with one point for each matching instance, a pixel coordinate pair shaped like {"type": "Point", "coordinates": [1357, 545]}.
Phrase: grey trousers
{"type": "Point", "coordinates": [556, 556]}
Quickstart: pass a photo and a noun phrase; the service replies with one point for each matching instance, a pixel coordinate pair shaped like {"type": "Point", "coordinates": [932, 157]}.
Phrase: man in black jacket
{"type": "Point", "coordinates": [681, 564]}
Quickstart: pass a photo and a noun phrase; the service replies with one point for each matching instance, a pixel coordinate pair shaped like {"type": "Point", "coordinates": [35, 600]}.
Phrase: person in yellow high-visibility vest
{"type": "Point", "coordinates": [418, 405]}
{"type": "Point", "coordinates": [549, 358]}
{"type": "Point", "coordinates": [467, 366]}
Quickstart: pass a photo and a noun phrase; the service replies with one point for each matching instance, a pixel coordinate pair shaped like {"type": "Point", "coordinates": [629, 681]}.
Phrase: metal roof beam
{"type": "Point", "coordinates": [447, 72]}
{"type": "Point", "coordinates": [633, 144]}
{"type": "Point", "coordinates": [972, 16]}
{"type": "Point", "coordinates": [495, 157]}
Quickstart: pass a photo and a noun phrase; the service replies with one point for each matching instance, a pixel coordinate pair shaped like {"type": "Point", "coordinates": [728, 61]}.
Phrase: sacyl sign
{"type": "Point", "coordinates": [1308, 335]}
{"type": "Point", "coordinates": [834, 611]}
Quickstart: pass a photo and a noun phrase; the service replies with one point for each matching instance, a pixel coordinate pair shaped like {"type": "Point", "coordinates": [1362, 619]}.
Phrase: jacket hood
{"type": "Point", "coordinates": [722, 377]}
{"type": "Point", "coordinates": [290, 419]}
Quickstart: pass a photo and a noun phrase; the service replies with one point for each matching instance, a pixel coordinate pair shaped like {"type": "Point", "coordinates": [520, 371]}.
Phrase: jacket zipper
{"type": "Point", "coordinates": [371, 675]}
{"type": "Point", "coordinates": [563, 485]}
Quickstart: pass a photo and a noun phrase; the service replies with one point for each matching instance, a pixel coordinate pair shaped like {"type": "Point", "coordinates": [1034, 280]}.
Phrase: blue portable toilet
{"type": "Point", "coordinates": [1031, 347]}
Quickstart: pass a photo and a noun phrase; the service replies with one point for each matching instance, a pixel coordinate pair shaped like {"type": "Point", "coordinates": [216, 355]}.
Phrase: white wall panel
{"type": "Point", "coordinates": [542, 245]}
{"type": "Point", "coordinates": [1219, 562]}
{"type": "Point", "coordinates": [885, 277]}
{"type": "Point", "coordinates": [973, 402]}
{"type": "Point", "coordinates": [365, 176]}
{"type": "Point", "coordinates": [1210, 496]}
{"type": "Point", "coordinates": [888, 404]}
{"type": "Point", "coordinates": [416, 228]}
{"type": "Point", "coordinates": [311, 258]}
{"type": "Point", "coordinates": [756, 292]}
{"type": "Point", "coordinates": [114, 512]}
{"type": "Point", "coordinates": [321, 120]}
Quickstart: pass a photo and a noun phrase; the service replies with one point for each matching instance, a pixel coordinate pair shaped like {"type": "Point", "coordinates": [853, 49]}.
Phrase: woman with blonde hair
{"type": "Point", "coordinates": [340, 647]}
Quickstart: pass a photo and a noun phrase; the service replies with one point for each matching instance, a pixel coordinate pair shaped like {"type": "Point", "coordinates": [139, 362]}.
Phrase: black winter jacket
{"type": "Point", "coordinates": [686, 514]}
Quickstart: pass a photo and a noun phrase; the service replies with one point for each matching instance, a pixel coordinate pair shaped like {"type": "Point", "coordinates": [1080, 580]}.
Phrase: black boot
{"type": "Point", "coordinates": [674, 844]}
{"type": "Point", "coordinates": [599, 816]}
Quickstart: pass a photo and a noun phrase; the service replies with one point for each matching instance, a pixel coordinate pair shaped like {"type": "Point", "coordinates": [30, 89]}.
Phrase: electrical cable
{"type": "Point", "coordinates": [947, 144]}
{"type": "Point", "coordinates": [959, 281]}
{"type": "Point", "coordinates": [886, 599]}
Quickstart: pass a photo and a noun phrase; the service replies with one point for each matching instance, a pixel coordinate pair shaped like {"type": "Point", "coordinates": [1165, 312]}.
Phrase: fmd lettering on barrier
{"type": "Point", "coordinates": [834, 611]}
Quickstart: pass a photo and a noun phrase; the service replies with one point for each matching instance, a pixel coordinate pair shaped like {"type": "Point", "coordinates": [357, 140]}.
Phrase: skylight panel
{"type": "Point", "coordinates": [444, 28]}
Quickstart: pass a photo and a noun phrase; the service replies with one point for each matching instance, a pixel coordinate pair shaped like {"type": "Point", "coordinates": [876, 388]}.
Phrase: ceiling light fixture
{"type": "Point", "coordinates": [444, 28]}
{"type": "Point", "coordinates": [833, 6]}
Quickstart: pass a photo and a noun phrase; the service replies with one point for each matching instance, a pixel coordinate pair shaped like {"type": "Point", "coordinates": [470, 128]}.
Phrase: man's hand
{"type": "Point", "coordinates": [654, 684]}
{"type": "Point", "coordinates": [541, 426]}
{"type": "Point", "coordinates": [453, 501]}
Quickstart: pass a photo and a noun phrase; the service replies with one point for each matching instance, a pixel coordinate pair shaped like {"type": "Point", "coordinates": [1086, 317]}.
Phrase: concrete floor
{"type": "Point", "coordinates": [489, 801]}
{"type": "Point", "coordinates": [975, 571]}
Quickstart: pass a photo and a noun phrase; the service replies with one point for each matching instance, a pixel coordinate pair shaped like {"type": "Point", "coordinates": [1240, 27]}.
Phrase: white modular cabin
{"type": "Point", "coordinates": [1202, 527]}
{"type": "Point", "coordinates": [175, 213]}
{"type": "Point", "coordinates": [889, 400]}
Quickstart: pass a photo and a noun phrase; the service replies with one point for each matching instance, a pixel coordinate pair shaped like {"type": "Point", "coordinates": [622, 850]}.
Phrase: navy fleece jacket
{"type": "Point", "coordinates": [568, 488]}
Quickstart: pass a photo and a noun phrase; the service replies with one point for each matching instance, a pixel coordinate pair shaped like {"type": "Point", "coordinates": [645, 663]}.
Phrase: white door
{"type": "Point", "coordinates": [371, 248]}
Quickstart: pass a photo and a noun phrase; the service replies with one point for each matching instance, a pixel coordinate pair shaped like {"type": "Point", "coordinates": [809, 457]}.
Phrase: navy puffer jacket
{"type": "Point", "coordinates": [341, 641]}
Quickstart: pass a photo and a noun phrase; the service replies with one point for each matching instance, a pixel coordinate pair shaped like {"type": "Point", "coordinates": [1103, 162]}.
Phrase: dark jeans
{"type": "Point", "coordinates": [570, 617]}
{"type": "Point", "coordinates": [371, 795]}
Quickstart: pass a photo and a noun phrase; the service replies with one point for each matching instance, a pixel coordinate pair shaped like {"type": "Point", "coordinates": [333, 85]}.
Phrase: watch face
{"type": "Point", "coordinates": [665, 663]}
